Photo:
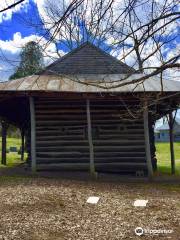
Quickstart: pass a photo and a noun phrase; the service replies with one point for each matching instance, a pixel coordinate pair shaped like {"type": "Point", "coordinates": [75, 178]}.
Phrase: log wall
{"type": "Point", "coordinates": [119, 144]}
{"type": "Point", "coordinates": [62, 141]}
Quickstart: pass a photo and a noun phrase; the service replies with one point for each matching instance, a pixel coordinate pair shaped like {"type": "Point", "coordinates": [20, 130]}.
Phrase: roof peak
{"type": "Point", "coordinates": [88, 59]}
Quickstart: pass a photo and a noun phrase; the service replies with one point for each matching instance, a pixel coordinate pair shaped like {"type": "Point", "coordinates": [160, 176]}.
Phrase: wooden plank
{"type": "Point", "coordinates": [62, 142]}
{"type": "Point", "coordinates": [171, 139]}
{"type": "Point", "coordinates": [118, 164]}
{"type": "Point", "coordinates": [84, 154]}
{"type": "Point", "coordinates": [81, 159]}
{"type": "Point", "coordinates": [147, 143]}
{"type": "Point", "coordinates": [119, 154]}
{"type": "Point", "coordinates": [104, 148]}
{"type": "Point", "coordinates": [78, 110]}
{"type": "Point", "coordinates": [66, 121]}
{"type": "Point", "coordinates": [59, 154]}
{"type": "Point", "coordinates": [118, 141]}
{"type": "Point", "coordinates": [80, 103]}
{"type": "Point", "coordinates": [22, 144]}
{"type": "Point", "coordinates": [50, 137]}
{"type": "Point", "coordinates": [107, 117]}
{"type": "Point", "coordinates": [82, 142]}
{"type": "Point", "coordinates": [76, 166]}
{"type": "Point", "coordinates": [4, 142]}
{"type": "Point", "coordinates": [60, 130]}
{"type": "Point", "coordinates": [33, 135]}
{"type": "Point", "coordinates": [117, 167]}
{"type": "Point", "coordinates": [91, 148]}
{"type": "Point", "coordinates": [79, 126]}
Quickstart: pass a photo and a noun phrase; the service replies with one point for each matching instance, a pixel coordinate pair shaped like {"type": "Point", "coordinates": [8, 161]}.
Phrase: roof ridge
{"type": "Point", "coordinates": [87, 43]}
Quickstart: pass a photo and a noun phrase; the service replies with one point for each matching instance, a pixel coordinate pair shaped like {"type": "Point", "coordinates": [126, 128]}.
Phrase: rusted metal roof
{"type": "Point", "coordinates": [102, 83]}
{"type": "Point", "coordinates": [89, 69]}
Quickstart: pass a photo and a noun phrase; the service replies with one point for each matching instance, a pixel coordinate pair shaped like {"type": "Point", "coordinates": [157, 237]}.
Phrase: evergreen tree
{"type": "Point", "coordinates": [31, 61]}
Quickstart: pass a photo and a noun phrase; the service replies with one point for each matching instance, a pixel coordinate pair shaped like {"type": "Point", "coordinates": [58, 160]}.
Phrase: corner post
{"type": "Point", "coordinates": [171, 139]}
{"type": "Point", "coordinates": [22, 144]}
{"type": "Point", "coordinates": [33, 135]}
{"type": "Point", "coordinates": [4, 142]}
{"type": "Point", "coordinates": [91, 147]}
{"type": "Point", "coordinates": [147, 142]}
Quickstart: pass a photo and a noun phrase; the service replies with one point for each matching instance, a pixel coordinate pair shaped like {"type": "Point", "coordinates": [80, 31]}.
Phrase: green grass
{"type": "Point", "coordinates": [163, 157]}
{"type": "Point", "coordinates": [12, 142]}
{"type": "Point", "coordinates": [12, 158]}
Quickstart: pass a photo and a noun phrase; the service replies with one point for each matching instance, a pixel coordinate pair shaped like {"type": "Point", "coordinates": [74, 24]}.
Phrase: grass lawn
{"type": "Point", "coordinates": [163, 157]}
{"type": "Point", "coordinates": [12, 158]}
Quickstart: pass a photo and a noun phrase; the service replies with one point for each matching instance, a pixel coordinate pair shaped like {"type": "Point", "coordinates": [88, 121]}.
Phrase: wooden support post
{"type": "Point", "coordinates": [33, 135]}
{"type": "Point", "coordinates": [147, 143]}
{"type": "Point", "coordinates": [22, 144]}
{"type": "Point", "coordinates": [91, 148]}
{"type": "Point", "coordinates": [4, 142]}
{"type": "Point", "coordinates": [171, 139]}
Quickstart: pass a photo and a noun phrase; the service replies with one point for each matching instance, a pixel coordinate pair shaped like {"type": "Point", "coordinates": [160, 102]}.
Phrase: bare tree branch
{"type": "Point", "coordinates": [11, 6]}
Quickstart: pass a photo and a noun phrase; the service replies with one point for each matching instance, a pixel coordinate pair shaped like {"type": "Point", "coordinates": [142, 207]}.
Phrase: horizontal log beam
{"type": "Point", "coordinates": [85, 154]}
{"type": "Point", "coordinates": [85, 159]}
{"type": "Point", "coordinates": [85, 166]}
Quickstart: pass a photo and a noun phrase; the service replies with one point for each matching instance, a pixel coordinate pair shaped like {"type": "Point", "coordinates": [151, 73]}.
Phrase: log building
{"type": "Point", "coordinates": [74, 117]}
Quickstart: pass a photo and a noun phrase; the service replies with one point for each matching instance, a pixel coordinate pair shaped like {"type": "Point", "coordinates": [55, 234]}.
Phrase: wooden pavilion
{"type": "Point", "coordinates": [75, 119]}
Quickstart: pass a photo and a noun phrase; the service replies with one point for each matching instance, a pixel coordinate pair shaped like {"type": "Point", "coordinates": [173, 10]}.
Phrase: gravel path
{"type": "Point", "coordinates": [55, 209]}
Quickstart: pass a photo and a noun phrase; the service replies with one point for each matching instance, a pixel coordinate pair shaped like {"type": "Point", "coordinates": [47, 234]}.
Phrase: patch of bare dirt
{"type": "Point", "coordinates": [48, 209]}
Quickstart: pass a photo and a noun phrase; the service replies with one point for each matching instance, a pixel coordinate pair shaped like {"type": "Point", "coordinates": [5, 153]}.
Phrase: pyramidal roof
{"type": "Point", "coordinates": [88, 59]}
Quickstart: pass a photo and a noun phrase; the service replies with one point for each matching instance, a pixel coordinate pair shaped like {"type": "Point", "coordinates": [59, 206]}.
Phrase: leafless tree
{"type": "Point", "coordinates": [139, 30]}
{"type": "Point", "coordinates": [7, 7]}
